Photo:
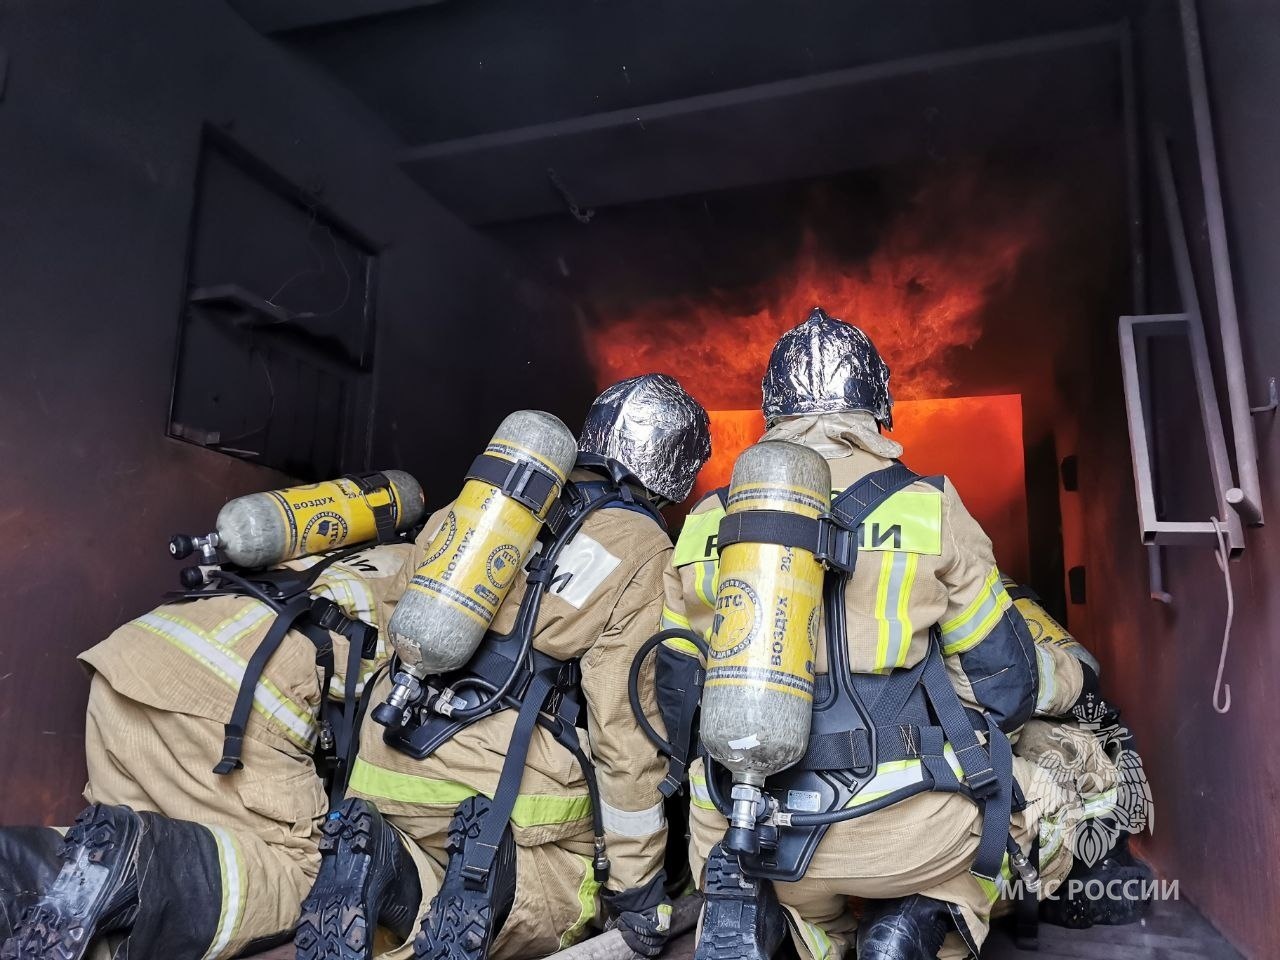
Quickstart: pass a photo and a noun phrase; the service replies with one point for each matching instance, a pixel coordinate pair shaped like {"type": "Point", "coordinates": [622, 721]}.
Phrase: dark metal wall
{"type": "Point", "coordinates": [1215, 778]}
{"type": "Point", "coordinates": [100, 123]}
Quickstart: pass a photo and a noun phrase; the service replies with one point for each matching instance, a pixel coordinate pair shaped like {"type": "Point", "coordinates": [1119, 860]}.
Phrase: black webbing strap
{"type": "Point", "coordinates": [384, 514]}
{"type": "Point", "coordinates": [858, 500]}
{"type": "Point", "coordinates": [826, 541]}
{"type": "Point", "coordinates": [479, 854]}
{"type": "Point", "coordinates": [988, 771]}
{"type": "Point", "coordinates": [843, 750]}
{"type": "Point", "coordinates": [233, 741]}
{"type": "Point", "coordinates": [524, 482]}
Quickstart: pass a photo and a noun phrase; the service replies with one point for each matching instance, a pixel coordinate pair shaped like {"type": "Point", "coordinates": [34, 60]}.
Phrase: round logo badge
{"type": "Point", "coordinates": [503, 563]}
{"type": "Point", "coordinates": [737, 619]}
{"type": "Point", "coordinates": [443, 538]}
{"type": "Point", "coordinates": [324, 531]}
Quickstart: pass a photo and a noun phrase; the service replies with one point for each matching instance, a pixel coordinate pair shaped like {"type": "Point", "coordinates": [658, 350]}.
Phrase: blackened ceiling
{"type": "Point", "coordinates": [633, 99]}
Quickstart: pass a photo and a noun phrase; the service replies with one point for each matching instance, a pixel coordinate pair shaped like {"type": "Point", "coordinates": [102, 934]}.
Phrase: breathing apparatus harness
{"type": "Point", "coordinates": [507, 673]}
{"type": "Point", "coordinates": [860, 721]}
{"type": "Point", "coordinates": [289, 594]}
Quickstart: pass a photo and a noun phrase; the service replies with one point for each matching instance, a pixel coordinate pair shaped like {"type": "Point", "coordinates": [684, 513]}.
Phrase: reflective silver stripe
{"type": "Point", "coordinates": [972, 626]}
{"type": "Point", "coordinates": [230, 667]}
{"type": "Point", "coordinates": [1048, 682]}
{"type": "Point", "coordinates": [633, 823]}
{"type": "Point", "coordinates": [229, 631]}
{"type": "Point", "coordinates": [233, 892]}
{"type": "Point", "coordinates": [701, 795]}
{"type": "Point", "coordinates": [358, 604]}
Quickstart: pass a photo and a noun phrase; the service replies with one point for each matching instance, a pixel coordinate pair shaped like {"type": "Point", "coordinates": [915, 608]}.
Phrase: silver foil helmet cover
{"type": "Point", "coordinates": [652, 427]}
{"type": "Point", "coordinates": [825, 365]}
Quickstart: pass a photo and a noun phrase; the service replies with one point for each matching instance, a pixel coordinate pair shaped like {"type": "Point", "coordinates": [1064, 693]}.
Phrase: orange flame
{"type": "Point", "coordinates": [939, 437]}
{"type": "Point", "coordinates": [919, 296]}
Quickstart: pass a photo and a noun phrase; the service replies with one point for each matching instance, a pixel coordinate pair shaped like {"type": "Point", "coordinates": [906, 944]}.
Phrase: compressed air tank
{"type": "Point", "coordinates": [479, 548]}
{"type": "Point", "coordinates": [263, 529]}
{"type": "Point", "coordinates": [757, 703]}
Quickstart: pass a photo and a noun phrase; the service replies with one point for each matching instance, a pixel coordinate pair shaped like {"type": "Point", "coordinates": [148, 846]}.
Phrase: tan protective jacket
{"type": "Point", "coordinates": [190, 657]}
{"type": "Point", "coordinates": [605, 601]}
{"type": "Point", "coordinates": [923, 561]}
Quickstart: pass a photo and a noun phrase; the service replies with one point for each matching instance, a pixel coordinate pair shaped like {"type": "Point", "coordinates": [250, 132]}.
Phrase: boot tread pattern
{"type": "Point", "coordinates": [334, 924]}
{"type": "Point", "coordinates": [458, 925]}
{"type": "Point", "coordinates": [47, 931]}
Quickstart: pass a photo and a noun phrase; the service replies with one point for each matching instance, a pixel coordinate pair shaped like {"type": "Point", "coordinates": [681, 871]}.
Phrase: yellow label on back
{"type": "Point", "coordinates": [479, 549]}
{"type": "Point", "coordinates": [324, 516]}
{"type": "Point", "coordinates": [765, 629]}
{"type": "Point", "coordinates": [697, 539]}
{"type": "Point", "coordinates": [908, 521]}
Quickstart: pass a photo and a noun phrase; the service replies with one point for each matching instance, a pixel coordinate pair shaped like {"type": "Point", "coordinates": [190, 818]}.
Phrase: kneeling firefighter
{"type": "Point", "coordinates": [1077, 740]}
{"type": "Point", "coordinates": [838, 588]}
{"type": "Point", "coordinates": [479, 816]}
{"type": "Point", "coordinates": [213, 723]}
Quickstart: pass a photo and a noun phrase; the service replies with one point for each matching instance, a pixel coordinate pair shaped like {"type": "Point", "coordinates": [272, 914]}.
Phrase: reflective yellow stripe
{"type": "Point", "coordinates": [909, 520]}
{"type": "Point", "coordinates": [698, 792]}
{"type": "Point", "coordinates": [967, 630]}
{"type": "Point", "coordinates": [697, 539]}
{"type": "Point", "coordinates": [230, 667]}
{"type": "Point", "coordinates": [531, 810]}
{"type": "Point", "coordinates": [587, 891]}
{"type": "Point", "coordinates": [704, 581]}
{"type": "Point", "coordinates": [1048, 681]}
{"type": "Point", "coordinates": [677, 621]}
{"type": "Point", "coordinates": [816, 939]}
{"type": "Point", "coordinates": [893, 595]}
{"type": "Point", "coordinates": [234, 892]}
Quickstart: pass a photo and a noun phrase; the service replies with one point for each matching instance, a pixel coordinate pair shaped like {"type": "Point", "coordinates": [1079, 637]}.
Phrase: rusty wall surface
{"type": "Point", "coordinates": [1216, 778]}
{"type": "Point", "coordinates": [101, 121]}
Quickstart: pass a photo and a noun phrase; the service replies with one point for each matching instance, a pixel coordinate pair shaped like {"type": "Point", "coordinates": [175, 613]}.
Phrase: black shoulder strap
{"type": "Point", "coordinates": [863, 497]}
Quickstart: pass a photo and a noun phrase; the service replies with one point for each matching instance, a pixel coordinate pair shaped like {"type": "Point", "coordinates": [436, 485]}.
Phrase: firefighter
{"type": "Point", "coordinates": [1077, 739]}
{"type": "Point", "coordinates": [925, 585]}
{"type": "Point", "coordinates": [504, 835]}
{"type": "Point", "coordinates": [200, 840]}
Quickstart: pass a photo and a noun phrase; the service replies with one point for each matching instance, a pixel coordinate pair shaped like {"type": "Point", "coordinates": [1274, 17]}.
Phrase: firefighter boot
{"type": "Point", "coordinates": [909, 928]}
{"type": "Point", "coordinates": [469, 909]}
{"type": "Point", "coordinates": [94, 892]}
{"type": "Point", "coordinates": [366, 880]}
{"type": "Point", "coordinates": [1114, 891]}
{"type": "Point", "coordinates": [742, 919]}
{"type": "Point", "coordinates": [29, 860]}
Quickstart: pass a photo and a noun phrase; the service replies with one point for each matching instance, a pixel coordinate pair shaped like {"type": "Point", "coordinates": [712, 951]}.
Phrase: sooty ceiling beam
{"type": "Point", "coordinates": [281, 16]}
{"type": "Point", "coordinates": [1036, 88]}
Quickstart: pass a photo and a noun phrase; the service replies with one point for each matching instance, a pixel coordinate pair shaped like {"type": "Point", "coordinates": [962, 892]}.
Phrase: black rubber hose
{"type": "Point", "coordinates": [633, 680]}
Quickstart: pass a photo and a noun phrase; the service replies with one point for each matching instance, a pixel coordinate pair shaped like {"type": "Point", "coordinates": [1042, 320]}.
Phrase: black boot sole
{"type": "Point", "coordinates": [336, 922]}
{"type": "Point", "coordinates": [1080, 913]}
{"type": "Point", "coordinates": [79, 905]}
{"type": "Point", "coordinates": [460, 923]}
{"type": "Point", "coordinates": [733, 915]}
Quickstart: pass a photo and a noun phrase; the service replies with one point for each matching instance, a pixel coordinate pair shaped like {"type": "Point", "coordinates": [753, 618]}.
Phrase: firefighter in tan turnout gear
{"type": "Point", "coordinates": [509, 793]}
{"type": "Point", "coordinates": [906, 780]}
{"type": "Point", "coordinates": [207, 721]}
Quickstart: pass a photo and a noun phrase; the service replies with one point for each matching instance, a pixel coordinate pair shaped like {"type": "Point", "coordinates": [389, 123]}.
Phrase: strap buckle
{"type": "Point", "coordinates": [516, 485]}
{"type": "Point", "coordinates": [836, 546]}
{"type": "Point", "coordinates": [984, 784]}
{"type": "Point", "coordinates": [329, 615]}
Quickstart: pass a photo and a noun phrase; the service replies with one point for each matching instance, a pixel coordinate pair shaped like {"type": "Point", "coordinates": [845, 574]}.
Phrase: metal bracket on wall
{"type": "Point", "coordinates": [1135, 335]}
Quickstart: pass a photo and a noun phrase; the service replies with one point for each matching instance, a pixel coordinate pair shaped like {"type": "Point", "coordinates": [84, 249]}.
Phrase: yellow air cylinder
{"type": "Point", "coordinates": [475, 555]}
{"type": "Point", "coordinates": [263, 529]}
{"type": "Point", "coordinates": [757, 703]}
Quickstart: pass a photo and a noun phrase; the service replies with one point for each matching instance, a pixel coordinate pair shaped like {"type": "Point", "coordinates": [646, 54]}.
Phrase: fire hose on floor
{"type": "Point", "coordinates": [610, 945]}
